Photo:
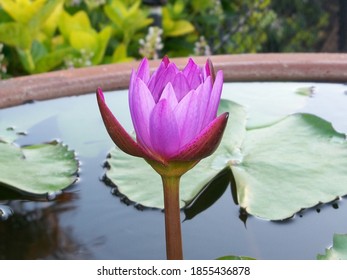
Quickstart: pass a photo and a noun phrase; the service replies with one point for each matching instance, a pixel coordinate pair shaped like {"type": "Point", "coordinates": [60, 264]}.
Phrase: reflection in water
{"type": "Point", "coordinates": [209, 194]}
{"type": "Point", "coordinates": [34, 230]}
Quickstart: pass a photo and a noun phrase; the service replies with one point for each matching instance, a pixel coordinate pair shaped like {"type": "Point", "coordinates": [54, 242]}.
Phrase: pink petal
{"type": "Point", "coordinates": [143, 71]}
{"type": "Point", "coordinates": [164, 131]}
{"type": "Point", "coordinates": [214, 98]}
{"type": "Point", "coordinates": [132, 79]}
{"type": "Point", "coordinates": [181, 86]}
{"type": "Point", "coordinates": [193, 74]}
{"type": "Point", "coordinates": [209, 70]}
{"type": "Point", "coordinates": [205, 143]}
{"type": "Point", "coordinates": [187, 115]}
{"type": "Point", "coordinates": [204, 95]}
{"type": "Point", "coordinates": [162, 79]}
{"type": "Point", "coordinates": [190, 112]}
{"type": "Point", "coordinates": [165, 60]}
{"type": "Point", "coordinates": [158, 73]}
{"type": "Point", "coordinates": [169, 95]}
{"type": "Point", "coordinates": [141, 106]}
{"type": "Point", "coordinates": [117, 133]}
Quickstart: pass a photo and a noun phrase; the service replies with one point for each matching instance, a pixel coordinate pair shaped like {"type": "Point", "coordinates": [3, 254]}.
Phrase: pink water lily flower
{"type": "Point", "coordinates": [174, 113]}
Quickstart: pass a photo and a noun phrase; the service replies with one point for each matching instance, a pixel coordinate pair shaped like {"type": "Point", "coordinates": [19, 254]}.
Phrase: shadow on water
{"type": "Point", "coordinates": [33, 230]}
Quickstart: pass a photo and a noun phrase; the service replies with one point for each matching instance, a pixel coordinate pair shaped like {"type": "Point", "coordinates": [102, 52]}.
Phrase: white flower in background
{"type": "Point", "coordinates": [217, 10]}
{"type": "Point", "coordinates": [152, 44]}
{"type": "Point", "coordinates": [84, 60]}
{"type": "Point", "coordinates": [202, 47]}
{"type": "Point", "coordinates": [3, 69]}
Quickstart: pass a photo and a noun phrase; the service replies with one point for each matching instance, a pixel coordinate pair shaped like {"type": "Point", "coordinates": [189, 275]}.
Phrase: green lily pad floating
{"type": "Point", "coordinates": [259, 100]}
{"type": "Point", "coordinates": [8, 135]}
{"type": "Point", "coordinates": [141, 184]}
{"type": "Point", "coordinates": [236, 258]}
{"type": "Point", "coordinates": [338, 251]}
{"type": "Point", "coordinates": [37, 169]}
{"type": "Point", "coordinates": [279, 169]}
{"type": "Point", "coordinates": [294, 164]}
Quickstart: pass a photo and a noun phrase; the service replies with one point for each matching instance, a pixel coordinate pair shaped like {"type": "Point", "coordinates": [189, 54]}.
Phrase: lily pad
{"type": "Point", "coordinates": [295, 163]}
{"type": "Point", "coordinates": [8, 135]}
{"type": "Point", "coordinates": [236, 258]}
{"type": "Point", "coordinates": [259, 98]}
{"type": "Point", "coordinates": [140, 183]}
{"type": "Point", "coordinates": [338, 251]}
{"type": "Point", "coordinates": [37, 169]}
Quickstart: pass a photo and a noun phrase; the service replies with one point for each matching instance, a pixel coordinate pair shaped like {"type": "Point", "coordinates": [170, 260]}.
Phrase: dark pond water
{"type": "Point", "coordinates": [88, 222]}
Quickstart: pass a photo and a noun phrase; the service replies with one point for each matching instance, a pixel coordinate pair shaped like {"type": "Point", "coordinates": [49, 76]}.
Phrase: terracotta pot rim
{"type": "Point", "coordinates": [317, 67]}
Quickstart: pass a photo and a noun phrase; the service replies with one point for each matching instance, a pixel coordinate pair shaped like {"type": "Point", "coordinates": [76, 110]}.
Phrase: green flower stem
{"type": "Point", "coordinates": [172, 217]}
{"type": "Point", "coordinates": [171, 175]}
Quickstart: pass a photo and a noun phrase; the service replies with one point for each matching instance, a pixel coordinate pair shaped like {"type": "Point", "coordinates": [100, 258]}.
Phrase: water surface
{"type": "Point", "coordinates": [88, 222]}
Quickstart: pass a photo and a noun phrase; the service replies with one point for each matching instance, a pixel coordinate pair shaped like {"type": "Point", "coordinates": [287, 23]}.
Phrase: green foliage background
{"type": "Point", "coordinates": [40, 35]}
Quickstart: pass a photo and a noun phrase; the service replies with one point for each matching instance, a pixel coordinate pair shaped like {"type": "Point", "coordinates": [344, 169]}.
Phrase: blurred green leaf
{"type": "Point", "coordinates": [127, 20]}
{"type": "Point", "coordinates": [41, 16]}
{"type": "Point", "coordinates": [201, 5]}
{"type": "Point", "coordinates": [81, 39]}
{"type": "Point", "coordinates": [178, 7]}
{"type": "Point", "coordinates": [22, 11]}
{"type": "Point", "coordinates": [15, 34]}
{"type": "Point", "coordinates": [173, 28]}
{"type": "Point", "coordinates": [38, 50]}
{"type": "Point", "coordinates": [120, 54]}
{"type": "Point", "coordinates": [103, 39]}
{"type": "Point", "coordinates": [179, 28]}
{"type": "Point", "coordinates": [51, 23]}
{"type": "Point", "coordinates": [26, 60]}
{"type": "Point", "coordinates": [52, 59]}
{"type": "Point", "coordinates": [71, 23]}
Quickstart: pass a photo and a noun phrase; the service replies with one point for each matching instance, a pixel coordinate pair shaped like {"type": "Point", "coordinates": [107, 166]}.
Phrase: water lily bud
{"type": "Point", "coordinates": [174, 113]}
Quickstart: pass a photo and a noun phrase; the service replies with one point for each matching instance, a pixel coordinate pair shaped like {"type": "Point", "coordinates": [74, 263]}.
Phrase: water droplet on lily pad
{"type": "Point", "coordinates": [53, 195]}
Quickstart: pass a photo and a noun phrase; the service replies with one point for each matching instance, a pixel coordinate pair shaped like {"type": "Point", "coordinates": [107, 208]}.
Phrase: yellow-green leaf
{"type": "Point", "coordinates": [178, 28]}
{"type": "Point", "coordinates": [86, 40]}
{"type": "Point", "coordinates": [22, 10]}
{"type": "Point", "coordinates": [15, 34]}
{"type": "Point", "coordinates": [120, 54]}
{"type": "Point", "coordinates": [69, 23]}
{"type": "Point", "coordinates": [103, 38]}
{"type": "Point", "coordinates": [52, 60]}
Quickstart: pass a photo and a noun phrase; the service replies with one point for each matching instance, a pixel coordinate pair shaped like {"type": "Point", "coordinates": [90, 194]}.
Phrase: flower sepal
{"type": "Point", "coordinates": [172, 168]}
